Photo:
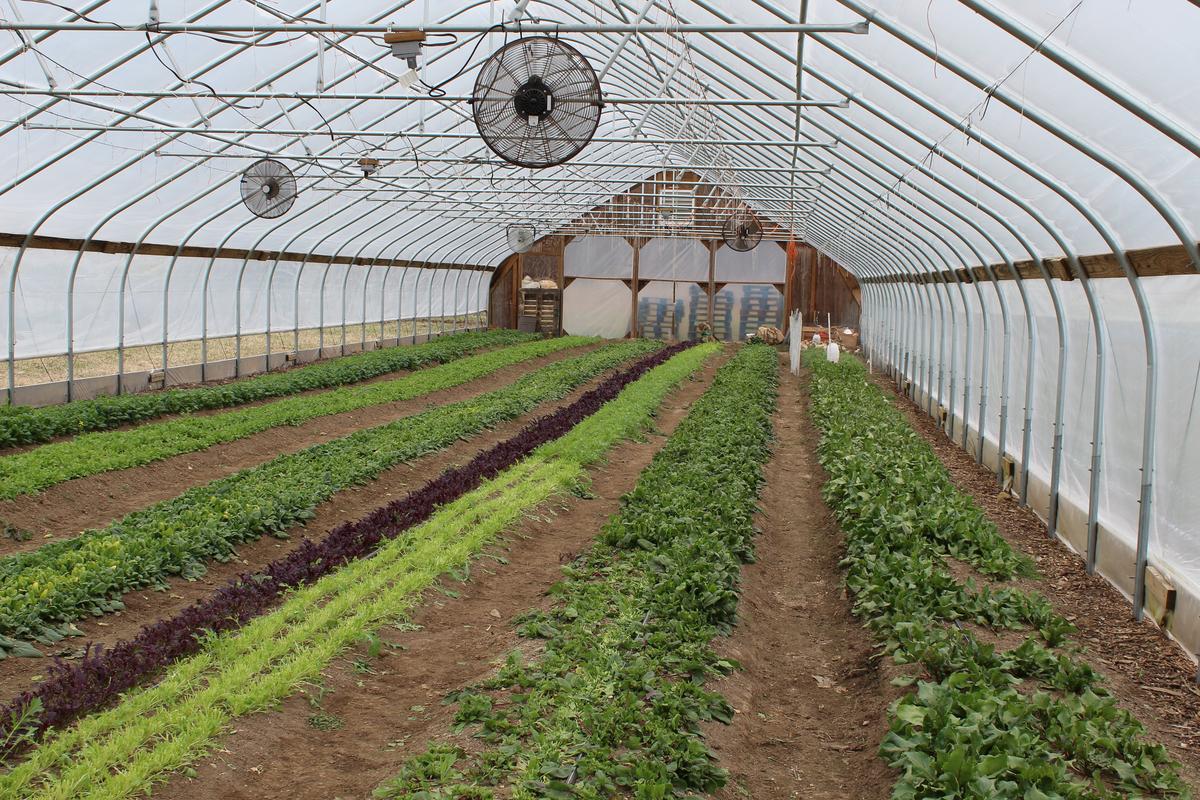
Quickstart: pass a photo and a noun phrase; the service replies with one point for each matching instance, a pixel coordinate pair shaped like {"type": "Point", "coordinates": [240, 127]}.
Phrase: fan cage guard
{"type": "Point", "coordinates": [514, 232]}
{"type": "Point", "coordinates": [268, 188]}
{"type": "Point", "coordinates": [742, 232]}
{"type": "Point", "coordinates": [537, 102]}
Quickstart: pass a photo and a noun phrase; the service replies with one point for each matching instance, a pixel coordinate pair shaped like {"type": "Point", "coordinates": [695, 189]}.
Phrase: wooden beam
{"type": "Point", "coordinates": [1151, 262]}
{"type": "Point", "coordinates": [634, 287]}
{"type": "Point", "coordinates": [191, 251]}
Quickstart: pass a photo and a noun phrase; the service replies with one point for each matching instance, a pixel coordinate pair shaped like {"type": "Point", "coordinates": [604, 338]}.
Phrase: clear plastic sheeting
{"type": "Point", "coordinates": [172, 179]}
{"type": "Point", "coordinates": [766, 263]}
{"type": "Point", "coordinates": [661, 309]}
{"type": "Point", "coordinates": [302, 296]}
{"type": "Point", "coordinates": [1177, 503]}
{"type": "Point", "coordinates": [1174, 538]}
{"type": "Point", "coordinates": [673, 259]}
{"type": "Point", "coordinates": [741, 308]}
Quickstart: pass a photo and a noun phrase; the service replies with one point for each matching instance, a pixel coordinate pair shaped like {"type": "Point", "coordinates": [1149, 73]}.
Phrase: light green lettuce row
{"type": "Point", "coordinates": [93, 453]}
{"type": "Point", "coordinates": [61, 582]}
{"type": "Point", "coordinates": [122, 752]}
{"type": "Point", "coordinates": [22, 425]}
{"type": "Point", "coordinates": [27, 425]}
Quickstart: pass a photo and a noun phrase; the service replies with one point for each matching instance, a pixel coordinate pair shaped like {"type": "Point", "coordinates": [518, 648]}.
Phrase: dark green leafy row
{"type": "Point", "coordinates": [104, 451]}
{"type": "Point", "coordinates": [64, 581]}
{"type": "Point", "coordinates": [75, 688]}
{"type": "Point", "coordinates": [1033, 722]}
{"type": "Point", "coordinates": [26, 425]}
{"type": "Point", "coordinates": [613, 705]}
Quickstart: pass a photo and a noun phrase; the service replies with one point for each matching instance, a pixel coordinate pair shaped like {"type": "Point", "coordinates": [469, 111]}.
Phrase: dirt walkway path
{"type": "Point", "coordinates": [811, 704]}
{"type": "Point", "coordinates": [375, 713]}
{"type": "Point", "coordinates": [66, 509]}
{"type": "Point", "coordinates": [1147, 671]}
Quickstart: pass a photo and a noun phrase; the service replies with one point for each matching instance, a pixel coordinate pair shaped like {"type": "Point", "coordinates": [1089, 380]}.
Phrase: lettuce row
{"type": "Point", "coordinates": [1032, 722]}
{"type": "Point", "coordinates": [28, 425]}
{"type": "Point", "coordinates": [94, 453]}
{"type": "Point", "coordinates": [613, 705]}
{"type": "Point", "coordinates": [44, 590]}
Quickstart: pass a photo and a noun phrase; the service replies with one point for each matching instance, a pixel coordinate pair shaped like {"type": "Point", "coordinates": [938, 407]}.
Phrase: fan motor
{"type": "Point", "coordinates": [533, 100]}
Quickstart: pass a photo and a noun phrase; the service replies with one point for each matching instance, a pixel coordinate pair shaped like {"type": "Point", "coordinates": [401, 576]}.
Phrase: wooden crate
{"type": "Point", "coordinates": [544, 307]}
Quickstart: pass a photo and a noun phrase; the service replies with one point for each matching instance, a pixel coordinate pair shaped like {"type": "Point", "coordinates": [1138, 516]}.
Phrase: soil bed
{"type": "Point", "coordinates": [145, 606]}
{"type": "Point", "coordinates": [97, 500]}
{"type": "Point", "coordinates": [1145, 669]}
{"type": "Point", "coordinates": [811, 703]}
{"type": "Point", "coordinates": [382, 715]}
{"type": "Point", "coordinates": [386, 376]}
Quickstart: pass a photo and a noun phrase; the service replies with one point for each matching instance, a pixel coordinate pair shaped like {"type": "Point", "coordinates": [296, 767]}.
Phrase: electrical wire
{"type": "Point", "coordinates": [437, 90]}
{"type": "Point", "coordinates": [78, 14]}
{"type": "Point", "coordinates": [64, 67]}
{"type": "Point", "coordinates": [171, 69]}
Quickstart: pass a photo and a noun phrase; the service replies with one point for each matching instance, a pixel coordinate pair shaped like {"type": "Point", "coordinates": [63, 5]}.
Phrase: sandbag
{"type": "Point", "coordinates": [769, 334]}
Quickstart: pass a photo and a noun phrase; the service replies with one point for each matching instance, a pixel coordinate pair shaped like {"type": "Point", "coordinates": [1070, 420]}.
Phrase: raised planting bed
{"type": "Point", "coordinates": [93, 453]}
{"type": "Point", "coordinates": [44, 590]}
{"type": "Point", "coordinates": [988, 716]}
{"type": "Point", "coordinates": [25, 425]}
{"type": "Point", "coordinates": [612, 704]}
{"type": "Point", "coordinates": [75, 688]}
{"type": "Point", "coordinates": [123, 751]}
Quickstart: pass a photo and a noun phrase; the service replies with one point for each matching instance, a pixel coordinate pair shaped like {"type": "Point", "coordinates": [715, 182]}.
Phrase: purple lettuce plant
{"type": "Point", "coordinates": [75, 688]}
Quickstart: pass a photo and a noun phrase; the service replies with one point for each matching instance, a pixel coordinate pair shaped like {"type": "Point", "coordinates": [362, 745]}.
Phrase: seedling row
{"type": "Point", "coordinates": [235, 673]}
{"type": "Point", "coordinates": [616, 678]}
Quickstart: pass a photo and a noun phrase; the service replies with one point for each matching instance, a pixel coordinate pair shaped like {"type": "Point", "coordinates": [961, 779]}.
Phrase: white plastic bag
{"type": "Point", "coordinates": [833, 352]}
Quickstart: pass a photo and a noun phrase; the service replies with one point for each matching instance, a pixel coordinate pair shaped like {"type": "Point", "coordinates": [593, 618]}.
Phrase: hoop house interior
{"type": "Point", "coordinates": [1003, 202]}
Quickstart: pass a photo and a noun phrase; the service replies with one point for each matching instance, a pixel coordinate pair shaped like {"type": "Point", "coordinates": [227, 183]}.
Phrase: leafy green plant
{"type": "Point", "coordinates": [431, 776]}
{"type": "Point", "coordinates": [326, 722]}
{"type": "Point", "coordinates": [93, 453]}
{"type": "Point", "coordinates": [27, 425]}
{"type": "Point", "coordinates": [612, 706]}
{"type": "Point", "coordinates": [159, 729]}
{"type": "Point", "coordinates": [71, 578]}
{"type": "Point", "coordinates": [1029, 722]}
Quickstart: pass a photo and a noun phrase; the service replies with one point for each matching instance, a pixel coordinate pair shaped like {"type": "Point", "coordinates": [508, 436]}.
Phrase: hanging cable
{"type": "Point", "coordinates": [437, 90]}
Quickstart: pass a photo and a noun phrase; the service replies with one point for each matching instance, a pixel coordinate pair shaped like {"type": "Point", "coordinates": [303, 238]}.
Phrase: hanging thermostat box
{"type": "Point", "coordinates": [405, 45]}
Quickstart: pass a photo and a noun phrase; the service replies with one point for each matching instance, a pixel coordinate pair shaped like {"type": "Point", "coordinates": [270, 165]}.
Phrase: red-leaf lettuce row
{"type": "Point", "coordinates": [75, 688]}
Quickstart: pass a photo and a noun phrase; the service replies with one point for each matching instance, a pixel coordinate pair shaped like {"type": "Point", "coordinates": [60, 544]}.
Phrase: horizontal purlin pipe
{"type": "Point", "coordinates": [614, 100]}
{"type": "Point", "coordinates": [426, 135]}
{"type": "Point", "coordinates": [172, 27]}
{"type": "Point", "coordinates": [497, 163]}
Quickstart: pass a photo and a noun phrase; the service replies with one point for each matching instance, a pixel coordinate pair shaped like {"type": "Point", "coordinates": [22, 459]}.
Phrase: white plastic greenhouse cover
{"type": "Point", "coordinates": [976, 133]}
